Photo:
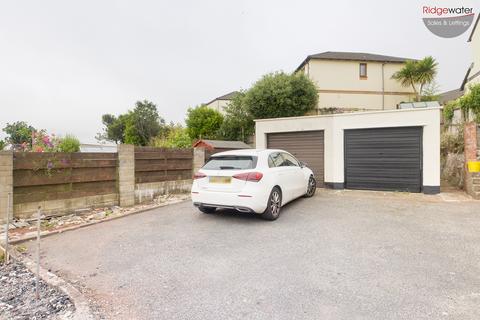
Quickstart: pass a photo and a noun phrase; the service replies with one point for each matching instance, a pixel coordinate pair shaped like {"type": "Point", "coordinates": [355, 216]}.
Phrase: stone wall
{"type": "Point", "coordinates": [147, 192]}
{"type": "Point", "coordinates": [62, 207]}
{"type": "Point", "coordinates": [453, 170]}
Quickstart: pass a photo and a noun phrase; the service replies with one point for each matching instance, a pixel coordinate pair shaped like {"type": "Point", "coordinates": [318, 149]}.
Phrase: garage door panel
{"type": "Point", "coordinates": [399, 148]}
{"type": "Point", "coordinates": [391, 171]}
{"type": "Point", "coordinates": [384, 159]}
{"type": "Point", "coordinates": [385, 186]}
{"type": "Point", "coordinates": [367, 163]}
{"type": "Point", "coordinates": [307, 146]}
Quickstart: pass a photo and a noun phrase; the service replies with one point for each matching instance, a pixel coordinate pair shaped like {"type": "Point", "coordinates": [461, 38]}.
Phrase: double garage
{"type": "Point", "coordinates": [397, 150]}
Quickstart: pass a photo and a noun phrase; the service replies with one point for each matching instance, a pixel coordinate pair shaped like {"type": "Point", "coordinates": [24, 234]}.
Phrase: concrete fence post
{"type": "Point", "coordinates": [198, 158]}
{"type": "Point", "coordinates": [126, 174]}
{"type": "Point", "coordinates": [6, 185]}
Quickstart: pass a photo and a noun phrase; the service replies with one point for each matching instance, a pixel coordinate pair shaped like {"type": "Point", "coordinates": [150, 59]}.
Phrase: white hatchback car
{"type": "Point", "coordinates": [250, 180]}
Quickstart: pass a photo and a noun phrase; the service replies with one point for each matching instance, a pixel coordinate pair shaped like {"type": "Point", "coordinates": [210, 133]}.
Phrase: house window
{"type": "Point", "coordinates": [363, 70]}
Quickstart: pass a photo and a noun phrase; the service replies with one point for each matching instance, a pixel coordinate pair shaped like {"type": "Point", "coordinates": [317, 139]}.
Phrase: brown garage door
{"type": "Point", "coordinates": [307, 146]}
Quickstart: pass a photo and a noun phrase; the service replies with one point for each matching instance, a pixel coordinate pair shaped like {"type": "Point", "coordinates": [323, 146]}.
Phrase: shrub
{"type": "Point", "coordinates": [42, 142]}
{"type": "Point", "coordinates": [279, 94]}
{"type": "Point", "coordinates": [238, 123]}
{"type": "Point", "coordinates": [177, 137]}
{"type": "Point", "coordinates": [137, 126]}
{"type": "Point", "coordinates": [451, 142]}
{"type": "Point", "coordinates": [19, 133]}
{"type": "Point", "coordinates": [203, 122]}
{"type": "Point", "coordinates": [142, 124]}
{"type": "Point", "coordinates": [471, 102]}
{"type": "Point", "coordinates": [453, 169]}
{"type": "Point", "coordinates": [69, 143]}
{"type": "Point", "coordinates": [449, 110]}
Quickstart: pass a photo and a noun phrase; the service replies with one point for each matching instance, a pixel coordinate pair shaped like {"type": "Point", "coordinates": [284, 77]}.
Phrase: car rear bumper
{"type": "Point", "coordinates": [221, 206]}
{"type": "Point", "coordinates": [235, 201]}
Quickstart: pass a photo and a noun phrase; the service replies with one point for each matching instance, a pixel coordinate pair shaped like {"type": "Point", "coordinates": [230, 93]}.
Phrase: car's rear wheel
{"type": "Point", "coordinates": [207, 209]}
{"type": "Point", "coordinates": [311, 188]}
{"type": "Point", "coordinates": [274, 205]}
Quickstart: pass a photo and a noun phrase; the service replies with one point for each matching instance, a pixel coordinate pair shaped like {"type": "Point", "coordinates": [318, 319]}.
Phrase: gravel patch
{"type": "Point", "coordinates": [17, 296]}
{"type": "Point", "coordinates": [24, 229]}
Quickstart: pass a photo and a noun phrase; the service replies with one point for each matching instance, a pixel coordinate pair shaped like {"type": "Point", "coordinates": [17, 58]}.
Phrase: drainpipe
{"type": "Point", "coordinates": [383, 86]}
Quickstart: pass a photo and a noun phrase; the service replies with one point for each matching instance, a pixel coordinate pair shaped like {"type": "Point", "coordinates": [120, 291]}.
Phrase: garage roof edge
{"type": "Point", "coordinates": [348, 114]}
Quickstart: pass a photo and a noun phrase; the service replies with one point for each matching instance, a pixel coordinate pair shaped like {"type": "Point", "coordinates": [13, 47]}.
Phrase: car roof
{"type": "Point", "coordinates": [247, 152]}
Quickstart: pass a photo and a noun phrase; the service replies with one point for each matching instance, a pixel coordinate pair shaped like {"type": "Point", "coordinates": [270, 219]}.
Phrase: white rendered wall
{"type": "Point", "coordinates": [334, 126]}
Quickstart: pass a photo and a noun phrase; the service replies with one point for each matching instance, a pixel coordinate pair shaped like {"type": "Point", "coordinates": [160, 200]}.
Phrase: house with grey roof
{"type": "Point", "coordinates": [354, 81]}
{"type": "Point", "coordinates": [220, 103]}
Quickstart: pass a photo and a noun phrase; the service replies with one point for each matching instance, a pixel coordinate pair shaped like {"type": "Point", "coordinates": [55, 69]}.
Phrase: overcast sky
{"type": "Point", "coordinates": [65, 63]}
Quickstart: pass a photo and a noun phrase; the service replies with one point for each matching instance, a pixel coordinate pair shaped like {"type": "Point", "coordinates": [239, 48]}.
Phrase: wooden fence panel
{"type": "Point", "coordinates": [54, 176]}
{"type": "Point", "coordinates": [162, 164]}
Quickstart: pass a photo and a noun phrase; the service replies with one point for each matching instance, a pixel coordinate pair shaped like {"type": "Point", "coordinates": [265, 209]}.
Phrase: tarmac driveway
{"type": "Point", "coordinates": [339, 255]}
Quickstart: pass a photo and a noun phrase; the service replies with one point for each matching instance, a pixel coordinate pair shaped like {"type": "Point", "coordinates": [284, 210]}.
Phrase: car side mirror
{"type": "Point", "coordinates": [302, 164]}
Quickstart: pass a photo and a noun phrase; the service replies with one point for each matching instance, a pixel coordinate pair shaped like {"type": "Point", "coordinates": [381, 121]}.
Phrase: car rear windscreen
{"type": "Point", "coordinates": [231, 163]}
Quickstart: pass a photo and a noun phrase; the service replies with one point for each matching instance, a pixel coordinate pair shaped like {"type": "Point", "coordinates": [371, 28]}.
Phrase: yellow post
{"type": "Point", "coordinates": [474, 166]}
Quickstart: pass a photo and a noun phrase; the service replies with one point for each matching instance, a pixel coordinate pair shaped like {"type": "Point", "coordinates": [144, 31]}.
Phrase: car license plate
{"type": "Point", "coordinates": [221, 180]}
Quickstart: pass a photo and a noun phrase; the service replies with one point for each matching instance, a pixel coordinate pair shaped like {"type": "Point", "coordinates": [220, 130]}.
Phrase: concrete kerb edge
{"type": "Point", "coordinates": [51, 233]}
{"type": "Point", "coordinates": [82, 307]}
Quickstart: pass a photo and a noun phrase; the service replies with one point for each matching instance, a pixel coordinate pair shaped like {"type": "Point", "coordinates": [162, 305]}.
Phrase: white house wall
{"type": "Point", "coordinates": [334, 126]}
{"type": "Point", "coordinates": [339, 84]}
{"type": "Point", "coordinates": [219, 105]}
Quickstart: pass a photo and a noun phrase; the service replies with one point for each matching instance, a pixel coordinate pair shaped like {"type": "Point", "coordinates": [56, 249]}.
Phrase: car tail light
{"type": "Point", "coordinates": [249, 176]}
{"type": "Point", "coordinates": [199, 175]}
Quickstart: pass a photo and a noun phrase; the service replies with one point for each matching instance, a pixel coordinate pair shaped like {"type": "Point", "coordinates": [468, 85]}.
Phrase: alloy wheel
{"type": "Point", "coordinates": [311, 186]}
{"type": "Point", "coordinates": [275, 203]}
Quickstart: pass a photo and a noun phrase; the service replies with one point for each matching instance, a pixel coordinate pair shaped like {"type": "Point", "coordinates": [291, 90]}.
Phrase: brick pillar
{"type": "Point", "coordinates": [6, 184]}
{"type": "Point", "coordinates": [478, 141]}
{"type": "Point", "coordinates": [472, 179]}
{"type": "Point", "coordinates": [470, 136]}
{"type": "Point", "coordinates": [126, 174]}
{"type": "Point", "coordinates": [198, 158]}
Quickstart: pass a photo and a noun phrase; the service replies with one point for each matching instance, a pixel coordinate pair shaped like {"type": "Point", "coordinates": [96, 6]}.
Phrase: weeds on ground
{"type": "Point", "coordinates": [21, 248]}
{"type": "Point", "coordinates": [47, 224]}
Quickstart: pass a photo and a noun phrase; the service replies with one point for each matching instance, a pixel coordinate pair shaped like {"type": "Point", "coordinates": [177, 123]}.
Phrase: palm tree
{"type": "Point", "coordinates": [417, 73]}
{"type": "Point", "coordinates": [407, 75]}
{"type": "Point", "coordinates": [426, 71]}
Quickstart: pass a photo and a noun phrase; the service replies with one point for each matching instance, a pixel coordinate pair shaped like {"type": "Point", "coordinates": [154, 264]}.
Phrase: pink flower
{"type": "Point", "coordinates": [47, 142]}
